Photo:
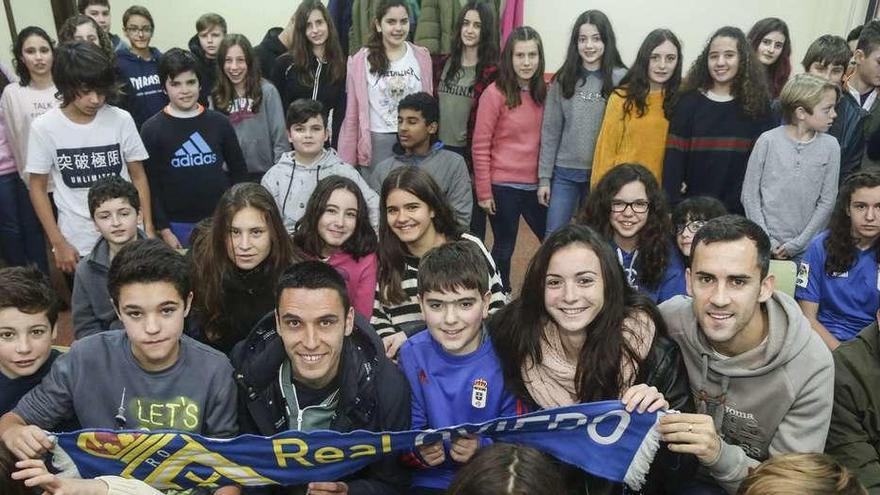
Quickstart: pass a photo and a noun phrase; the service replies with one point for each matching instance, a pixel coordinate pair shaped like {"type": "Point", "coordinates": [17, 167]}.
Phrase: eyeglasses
{"type": "Point", "coordinates": [640, 206]}
{"type": "Point", "coordinates": [692, 227]}
{"type": "Point", "coordinates": [147, 30]}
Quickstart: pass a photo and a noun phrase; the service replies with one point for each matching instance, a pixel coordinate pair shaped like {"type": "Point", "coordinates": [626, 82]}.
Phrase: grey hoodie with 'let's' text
{"type": "Point", "coordinates": [773, 399]}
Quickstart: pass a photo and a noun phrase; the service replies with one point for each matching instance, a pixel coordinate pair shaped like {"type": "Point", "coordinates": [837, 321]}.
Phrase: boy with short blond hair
{"type": "Point", "coordinates": [452, 367]}
{"type": "Point", "coordinates": [791, 178]}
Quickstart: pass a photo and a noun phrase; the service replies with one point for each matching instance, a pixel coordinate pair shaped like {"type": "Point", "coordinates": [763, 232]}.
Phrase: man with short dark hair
{"type": "Point", "coordinates": [313, 365]}
{"type": "Point", "coordinates": [762, 379]}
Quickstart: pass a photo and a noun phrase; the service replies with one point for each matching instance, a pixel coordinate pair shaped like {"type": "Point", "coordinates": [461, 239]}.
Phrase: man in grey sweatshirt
{"type": "Point", "coordinates": [763, 381]}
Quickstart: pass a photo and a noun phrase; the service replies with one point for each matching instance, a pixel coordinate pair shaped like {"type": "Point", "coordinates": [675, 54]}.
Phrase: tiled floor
{"type": "Point", "coordinates": [526, 246]}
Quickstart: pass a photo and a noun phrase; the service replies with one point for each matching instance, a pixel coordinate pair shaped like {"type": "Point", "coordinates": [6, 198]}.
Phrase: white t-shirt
{"type": "Point", "coordinates": [75, 156]}
{"type": "Point", "coordinates": [404, 77]}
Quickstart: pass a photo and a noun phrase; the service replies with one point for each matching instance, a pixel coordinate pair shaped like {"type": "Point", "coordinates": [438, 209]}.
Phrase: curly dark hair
{"type": "Point", "coordinates": [636, 84]}
{"type": "Point", "coordinates": [112, 187]}
{"type": "Point", "coordinates": [67, 33]}
{"type": "Point", "coordinates": [569, 74]}
{"type": "Point", "coordinates": [518, 328]}
{"type": "Point", "coordinates": [362, 241]}
{"type": "Point", "coordinates": [749, 85]}
{"type": "Point", "coordinates": [653, 238]}
{"type": "Point", "coordinates": [697, 208]}
{"type": "Point", "coordinates": [778, 72]}
{"type": "Point", "coordinates": [840, 247]}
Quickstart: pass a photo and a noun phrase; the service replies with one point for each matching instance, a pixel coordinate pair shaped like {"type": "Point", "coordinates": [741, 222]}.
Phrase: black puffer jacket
{"type": "Point", "coordinates": [248, 295]}
{"type": "Point", "coordinates": [374, 396]}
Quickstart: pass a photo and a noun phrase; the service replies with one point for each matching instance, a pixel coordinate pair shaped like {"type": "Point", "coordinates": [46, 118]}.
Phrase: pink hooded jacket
{"type": "Point", "coordinates": [355, 143]}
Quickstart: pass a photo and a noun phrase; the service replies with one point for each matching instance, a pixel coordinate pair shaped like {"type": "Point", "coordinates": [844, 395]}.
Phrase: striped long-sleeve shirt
{"type": "Point", "coordinates": [407, 316]}
{"type": "Point", "coordinates": [707, 149]}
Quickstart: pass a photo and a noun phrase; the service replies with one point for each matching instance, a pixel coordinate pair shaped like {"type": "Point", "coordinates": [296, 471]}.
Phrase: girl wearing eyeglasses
{"type": "Point", "coordinates": [629, 210]}
{"type": "Point", "coordinates": [139, 67]}
{"type": "Point", "coordinates": [689, 216]}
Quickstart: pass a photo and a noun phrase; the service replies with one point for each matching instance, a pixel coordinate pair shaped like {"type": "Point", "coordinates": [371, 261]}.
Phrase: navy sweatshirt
{"type": "Point", "coordinates": [144, 94]}
{"type": "Point", "coordinates": [707, 149]}
{"type": "Point", "coordinates": [185, 168]}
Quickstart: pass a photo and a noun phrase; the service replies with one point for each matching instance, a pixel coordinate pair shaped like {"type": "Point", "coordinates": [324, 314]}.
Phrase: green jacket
{"type": "Point", "coordinates": [854, 435]}
{"type": "Point", "coordinates": [436, 24]}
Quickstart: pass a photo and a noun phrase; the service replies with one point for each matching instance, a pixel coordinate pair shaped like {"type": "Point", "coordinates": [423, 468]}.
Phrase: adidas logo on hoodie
{"type": "Point", "coordinates": [194, 152]}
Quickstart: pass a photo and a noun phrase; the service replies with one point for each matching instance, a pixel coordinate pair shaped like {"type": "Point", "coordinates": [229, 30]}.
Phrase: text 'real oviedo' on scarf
{"type": "Point", "coordinates": [601, 438]}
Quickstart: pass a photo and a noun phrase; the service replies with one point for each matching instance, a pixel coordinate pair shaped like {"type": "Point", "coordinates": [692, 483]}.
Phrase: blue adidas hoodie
{"type": "Point", "coordinates": [144, 95]}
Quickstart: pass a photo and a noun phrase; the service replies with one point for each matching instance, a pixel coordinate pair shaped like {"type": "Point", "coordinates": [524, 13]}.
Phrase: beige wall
{"type": "Point", "coordinates": [691, 20]}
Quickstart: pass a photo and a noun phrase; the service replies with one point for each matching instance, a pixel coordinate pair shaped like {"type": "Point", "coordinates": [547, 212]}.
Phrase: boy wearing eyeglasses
{"type": "Point", "coordinates": [139, 66]}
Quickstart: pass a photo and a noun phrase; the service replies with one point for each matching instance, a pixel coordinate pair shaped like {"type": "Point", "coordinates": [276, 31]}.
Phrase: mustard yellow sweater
{"type": "Point", "coordinates": [631, 139]}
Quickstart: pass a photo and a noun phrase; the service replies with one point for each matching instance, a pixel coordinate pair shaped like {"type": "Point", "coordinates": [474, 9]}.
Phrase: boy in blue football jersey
{"type": "Point", "coordinates": [452, 368]}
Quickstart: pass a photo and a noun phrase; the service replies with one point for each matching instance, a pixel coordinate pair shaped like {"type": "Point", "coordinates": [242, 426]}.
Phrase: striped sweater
{"type": "Point", "coordinates": [407, 316]}
{"type": "Point", "coordinates": [707, 149]}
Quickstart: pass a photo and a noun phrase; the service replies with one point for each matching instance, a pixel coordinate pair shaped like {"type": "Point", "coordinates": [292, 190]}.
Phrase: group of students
{"type": "Point", "coordinates": [310, 276]}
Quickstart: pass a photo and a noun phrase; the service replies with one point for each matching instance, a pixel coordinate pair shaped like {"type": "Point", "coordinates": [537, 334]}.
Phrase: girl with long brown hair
{"type": "Point", "coordinates": [415, 216]}
{"type": "Point", "coordinates": [236, 263]}
{"type": "Point", "coordinates": [252, 104]}
{"type": "Point", "coordinates": [579, 333]}
{"type": "Point", "coordinates": [314, 67]}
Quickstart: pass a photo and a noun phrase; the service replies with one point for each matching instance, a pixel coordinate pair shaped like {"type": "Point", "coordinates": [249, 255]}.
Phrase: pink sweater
{"type": "Point", "coordinates": [360, 279]}
{"type": "Point", "coordinates": [355, 142]}
{"type": "Point", "coordinates": [506, 141]}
